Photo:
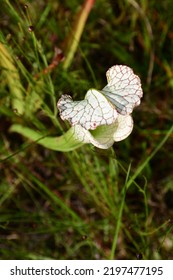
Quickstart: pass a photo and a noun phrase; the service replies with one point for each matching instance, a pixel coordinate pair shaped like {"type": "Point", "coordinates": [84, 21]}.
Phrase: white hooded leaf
{"type": "Point", "coordinates": [93, 111]}
{"type": "Point", "coordinates": [104, 116]}
{"type": "Point", "coordinates": [123, 89]}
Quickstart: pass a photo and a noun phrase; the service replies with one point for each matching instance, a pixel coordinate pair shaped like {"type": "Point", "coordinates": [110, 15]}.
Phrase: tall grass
{"type": "Point", "coordinates": [87, 203]}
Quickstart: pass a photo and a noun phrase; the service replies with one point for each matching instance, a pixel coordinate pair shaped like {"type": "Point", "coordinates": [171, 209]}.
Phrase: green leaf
{"type": "Point", "coordinates": [65, 143]}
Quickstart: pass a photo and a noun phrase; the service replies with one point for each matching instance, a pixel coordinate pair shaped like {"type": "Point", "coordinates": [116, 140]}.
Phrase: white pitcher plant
{"type": "Point", "coordinates": [102, 118]}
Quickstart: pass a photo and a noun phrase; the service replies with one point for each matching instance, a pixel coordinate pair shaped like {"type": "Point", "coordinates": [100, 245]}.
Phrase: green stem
{"type": "Point", "coordinates": [64, 143]}
{"type": "Point", "coordinates": [128, 184]}
{"type": "Point", "coordinates": [119, 219]}
{"type": "Point", "coordinates": [142, 166]}
{"type": "Point", "coordinates": [77, 29]}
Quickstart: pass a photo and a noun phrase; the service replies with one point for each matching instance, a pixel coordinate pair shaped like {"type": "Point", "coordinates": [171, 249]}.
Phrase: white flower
{"type": "Point", "coordinates": [104, 116]}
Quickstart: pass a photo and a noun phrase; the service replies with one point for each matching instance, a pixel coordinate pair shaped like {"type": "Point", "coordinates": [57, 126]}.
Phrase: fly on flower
{"type": "Point", "coordinates": [104, 116]}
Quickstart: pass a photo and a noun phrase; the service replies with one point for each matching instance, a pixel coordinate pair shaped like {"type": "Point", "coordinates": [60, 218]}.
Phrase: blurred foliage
{"type": "Point", "coordinates": [75, 205]}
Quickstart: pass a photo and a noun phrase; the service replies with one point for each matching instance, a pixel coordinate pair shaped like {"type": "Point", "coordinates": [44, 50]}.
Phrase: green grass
{"type": "Point", "coordinates": [87, 203]}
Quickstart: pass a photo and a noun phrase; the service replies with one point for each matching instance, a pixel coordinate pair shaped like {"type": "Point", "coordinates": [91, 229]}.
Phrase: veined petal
{"type": "Point", "coordinates": [93, 111]}
{"type": "Point", "coordinates": [123, 89]}
{"type": "Point", "coordinates": [124, 127]}
{"type": "Point", "coordinates": [104, 136]}
{"type": "Point", "coordinates": [101, 137]}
